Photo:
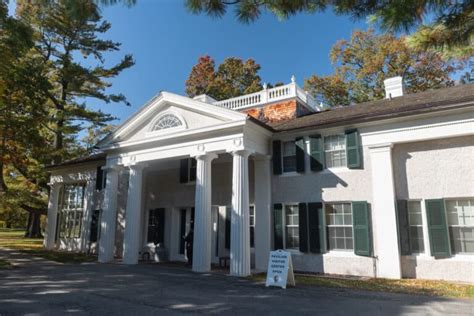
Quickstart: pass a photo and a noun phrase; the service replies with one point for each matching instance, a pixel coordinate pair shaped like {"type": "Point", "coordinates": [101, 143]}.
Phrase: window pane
{"type": "Point", "coordinates": [339, 226]}
{"type": "Point", "coordinates": [289, 164]}
{"type": "Point", "coordinates": [461, 228]}
{"type": "Point", "coordinates": [291, 227]}
{"type": "Point", "coordinates": [335, 151]}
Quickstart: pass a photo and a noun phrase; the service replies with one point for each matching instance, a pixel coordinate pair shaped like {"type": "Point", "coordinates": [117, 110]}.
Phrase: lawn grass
{"type": "Point", "coordinates": [14, 239]}
{"type": "Point", "coordinates": [408, 286]}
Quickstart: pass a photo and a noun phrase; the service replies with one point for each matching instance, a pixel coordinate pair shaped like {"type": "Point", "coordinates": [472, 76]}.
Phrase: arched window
{"type": "Point", "coordinates": [167, 121]}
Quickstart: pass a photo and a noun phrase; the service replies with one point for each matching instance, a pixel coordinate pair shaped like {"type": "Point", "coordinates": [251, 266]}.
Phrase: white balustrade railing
{"type": "Point", "coordinates": [265, 96]}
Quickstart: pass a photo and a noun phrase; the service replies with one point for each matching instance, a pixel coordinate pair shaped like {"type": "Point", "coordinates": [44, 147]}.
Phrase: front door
{"type": "Point", "coordinates": [156, 226]}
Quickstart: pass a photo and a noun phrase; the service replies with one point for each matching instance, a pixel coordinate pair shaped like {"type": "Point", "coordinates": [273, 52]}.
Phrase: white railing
{"type": "Point", "coordinates": [291, 90]}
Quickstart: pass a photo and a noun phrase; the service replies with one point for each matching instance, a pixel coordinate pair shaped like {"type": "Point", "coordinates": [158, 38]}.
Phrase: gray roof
{"type": "Point", "coordinates": [410, 104]}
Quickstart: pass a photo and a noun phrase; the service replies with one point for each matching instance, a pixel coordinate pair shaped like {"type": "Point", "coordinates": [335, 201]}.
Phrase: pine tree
{"type": "Point", "coordinates": [64, 30]}
{"type": "Point", "coordinates": [442, 25]}
{"type": "Point", "coordinates": [52, 61]}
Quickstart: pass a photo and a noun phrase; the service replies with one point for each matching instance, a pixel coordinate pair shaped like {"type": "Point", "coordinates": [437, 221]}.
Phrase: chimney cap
{"type": "Point", "coordinates": [393, 87]}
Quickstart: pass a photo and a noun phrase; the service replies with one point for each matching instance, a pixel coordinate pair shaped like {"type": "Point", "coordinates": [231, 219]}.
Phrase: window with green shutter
{"type": "Point", "coordinates": [361, 223]}
{"type": "Point", "coordinates": [278, 226]}
{"type": "Point", "coordinates": [403, 227]}
{"type": "Point", "coordinates": [316, 153]}
{"type": "Point", "coordinates": [276, 158]}
{"type": "Point", "coordinates": [437, 228]}
{"type": "Point", "coordinates": [300, 154]}
{"type": "Point", "coordinates": [316, 228]}
{"type": "Point", "coordinates": [353, 150]}
{"type": "Point", "coordinates": [303, 227]}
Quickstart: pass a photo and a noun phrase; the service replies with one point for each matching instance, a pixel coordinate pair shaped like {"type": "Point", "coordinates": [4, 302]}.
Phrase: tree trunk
{"type": "Point", "coordinates": [33, 230]}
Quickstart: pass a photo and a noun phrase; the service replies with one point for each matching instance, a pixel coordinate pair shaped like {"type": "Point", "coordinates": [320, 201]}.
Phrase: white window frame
{"type": "Point", "coordinates": [448, 225]}
{"type": "Point", "coordinates": [326, 228]}
{"type": "Point", "coordinates": [152, 132]}
{"type": "Point", "coordinates": [325, 137]}
{"type": "Point", "coordinates": [284, 225]}
{"type": "Point", "coordinates": [66, 215]}
{"type": "Point", "coordinates": [252, 207]}
{"type": "Point", "coordinates": [422, 225]}
{"type": "Point", "coordinates": [283, 142]}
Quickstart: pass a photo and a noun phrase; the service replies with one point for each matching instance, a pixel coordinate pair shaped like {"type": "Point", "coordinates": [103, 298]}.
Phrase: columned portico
{"type": "Point", "coordinates": [263, 198]}
{"type": "Point", "coordinates": [202, 225]}
{"type": "Point", "coordinates": [240, 233]}
{"type": "Point", "coordinates": [384, 212]}
{"type": "Point", "coordinates": [52, 216]}
{"type": "Point", "coordinates": [133, 214]}
{"type": "Point", "coordinates": [109, 216]}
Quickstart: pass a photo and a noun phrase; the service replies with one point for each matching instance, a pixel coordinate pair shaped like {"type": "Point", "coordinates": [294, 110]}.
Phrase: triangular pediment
{"type": "Point", "coordinates": [168, 114]}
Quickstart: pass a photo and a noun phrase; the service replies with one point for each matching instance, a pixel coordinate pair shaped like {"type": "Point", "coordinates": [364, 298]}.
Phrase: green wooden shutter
{"type": "Point", "coordinates": [403, 227]}
{"type": "Point", "coordinates": [183, 170]}
{"type": "Point", "coordinates": [437, 228]}
{"type": "Point", "coordinates": [303, 226]}
{"type": "Point", "coordinates": [276, 157]}
{"type": "Point", "coordinates": [353, 150]}
{"type": "Point", "coordinates": [316, 153]}
{"type": "Point", "coordinates": [278, 226]}
{"type": "Point", "coordinates": [228, 225]}
{"type": "Point", "coordinates": [361, 224]}
{"type": "Point", "coordinates": [316, 227]}
{"type": "Point", "coordinates": [299, 144]}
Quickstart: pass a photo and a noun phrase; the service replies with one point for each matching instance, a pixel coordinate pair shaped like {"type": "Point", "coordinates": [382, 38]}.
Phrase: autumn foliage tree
{"type": "Point", "coordinates": [367, 59]}
{"type": "Point", "coordinates": [234, 77]}
{"type": "Point", "coordinates": [52, 61]}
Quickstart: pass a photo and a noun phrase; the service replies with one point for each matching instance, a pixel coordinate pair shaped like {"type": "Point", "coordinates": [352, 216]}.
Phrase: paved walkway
{"type": "Point", "coordinates": [40, 287]}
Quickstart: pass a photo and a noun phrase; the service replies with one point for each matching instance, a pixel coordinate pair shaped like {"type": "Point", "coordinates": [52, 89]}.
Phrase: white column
{"type": "Point", "coordinates": [384, 213]}
{"type": "Point", "coordinates": [49, 239]}
{"type": "Point", "coordinates": [109, 217]}
{"type": "Point", "coordinates": [131, 241]}
{"type": "Point", "coordinates": [263, 197]}
{"type": "Point", "coordinates": [202, 218]}
{"type": "Point", "coordinates": [86, 223]}
{"type": "Point", "coordinates": [240, 229]}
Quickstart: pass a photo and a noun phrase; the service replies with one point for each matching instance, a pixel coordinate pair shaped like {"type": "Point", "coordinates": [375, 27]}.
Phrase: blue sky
{"type": "Point", "coordinates": [166, 42]}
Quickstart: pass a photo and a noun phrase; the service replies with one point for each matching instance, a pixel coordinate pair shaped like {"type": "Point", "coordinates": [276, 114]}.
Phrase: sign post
{"type": "Point", "coordinates": [280, 269]}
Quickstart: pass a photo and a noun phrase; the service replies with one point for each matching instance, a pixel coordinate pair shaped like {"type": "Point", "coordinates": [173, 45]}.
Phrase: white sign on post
{"type": "Point", "coordinates": [280, 269]}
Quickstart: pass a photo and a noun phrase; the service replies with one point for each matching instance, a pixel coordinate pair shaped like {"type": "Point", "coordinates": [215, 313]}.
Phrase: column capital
{"type": "Point", "coordinates": [109, 168]}
{"type": "Point", "coordinates": [381, 147]}
{"type": "Point", "coordinates": [206, 156]}
{"type": "Point", "coordinates": [54, 184]}
{"type": "Point", "coordinates": [241, 152]}
{"type": "Point", "coordinates": [137, 166]}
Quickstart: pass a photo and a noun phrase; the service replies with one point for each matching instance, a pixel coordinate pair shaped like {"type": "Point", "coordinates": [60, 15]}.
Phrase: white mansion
{"type": "Point", "coordinates": [378, 189]}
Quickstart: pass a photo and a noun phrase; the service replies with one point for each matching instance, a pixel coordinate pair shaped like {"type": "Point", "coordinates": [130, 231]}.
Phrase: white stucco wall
{"type": "Point", "coordinates": [329, 185]}
{"type": "Point", "coordinates": [430, 170]}
{"type": "Point", "coordinates": [441, 168]}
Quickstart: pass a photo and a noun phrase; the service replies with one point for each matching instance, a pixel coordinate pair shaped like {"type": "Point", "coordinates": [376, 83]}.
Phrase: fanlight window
{"type": "Point", "coordinates": [167, 121]}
